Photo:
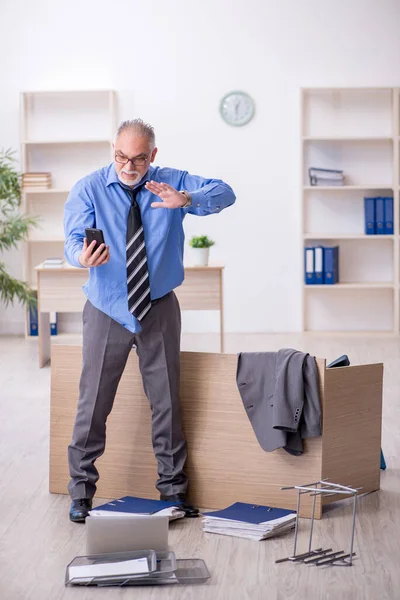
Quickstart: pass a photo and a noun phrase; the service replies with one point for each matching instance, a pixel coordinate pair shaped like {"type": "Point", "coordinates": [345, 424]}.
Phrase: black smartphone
{"type": "Point", "coordinates": [94, 234]}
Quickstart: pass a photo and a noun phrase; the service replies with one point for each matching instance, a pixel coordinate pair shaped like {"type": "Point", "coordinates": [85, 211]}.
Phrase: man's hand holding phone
{"type": "Point", "coordinates": [94, 258]}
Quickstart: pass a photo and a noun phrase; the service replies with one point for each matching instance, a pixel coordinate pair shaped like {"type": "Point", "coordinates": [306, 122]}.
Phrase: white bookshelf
{"type": "Point", "coordinates": [356, 130]}
{"type": "Point", "coordinates": [69, 134]}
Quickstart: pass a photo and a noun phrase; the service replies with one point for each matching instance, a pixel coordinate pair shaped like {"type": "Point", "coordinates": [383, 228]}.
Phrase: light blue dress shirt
{"type": "Point", "coordinates": [98, 200]}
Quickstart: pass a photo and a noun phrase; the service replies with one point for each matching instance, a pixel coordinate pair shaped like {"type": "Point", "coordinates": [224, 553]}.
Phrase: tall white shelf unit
{"type": "Point", "coordinates": [357, 130]}
{"type": "Point", "coordinates": [69, 134]}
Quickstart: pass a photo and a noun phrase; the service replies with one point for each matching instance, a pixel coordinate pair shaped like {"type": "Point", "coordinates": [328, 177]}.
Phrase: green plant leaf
{"type": "Point", "coordinates": [201, 241]}
{"type": "Point", "coordinates": [14, 228]}
{"type": "Point", "coordinates": [12, 289]}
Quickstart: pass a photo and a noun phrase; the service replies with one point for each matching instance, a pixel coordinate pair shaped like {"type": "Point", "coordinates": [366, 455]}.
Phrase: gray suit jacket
{"type": "Point", "coordinates": [280, 393]}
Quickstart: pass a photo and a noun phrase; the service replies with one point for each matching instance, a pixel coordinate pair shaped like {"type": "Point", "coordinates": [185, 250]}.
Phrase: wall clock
{"type": "Point", "coordinates": [236, 108]}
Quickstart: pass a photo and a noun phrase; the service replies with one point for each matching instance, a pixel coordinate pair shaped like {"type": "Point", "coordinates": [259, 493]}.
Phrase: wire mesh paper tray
{"type": "Point", "coordinates": [163, 569]}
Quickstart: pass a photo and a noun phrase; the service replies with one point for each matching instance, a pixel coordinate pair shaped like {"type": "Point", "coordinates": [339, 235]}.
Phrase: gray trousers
{"type": "Point", "coordinates": [106, 347]}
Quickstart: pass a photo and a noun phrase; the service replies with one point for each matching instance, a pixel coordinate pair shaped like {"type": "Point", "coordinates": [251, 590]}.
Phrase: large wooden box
{"type": "Point", "coordinates": [225, 462]}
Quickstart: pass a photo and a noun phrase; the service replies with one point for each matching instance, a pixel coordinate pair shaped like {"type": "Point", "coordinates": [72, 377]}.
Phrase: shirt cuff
{"type": "Point", "coordinates": [205, 202]}
{"type": "Point", "coordinates": [76, 262]}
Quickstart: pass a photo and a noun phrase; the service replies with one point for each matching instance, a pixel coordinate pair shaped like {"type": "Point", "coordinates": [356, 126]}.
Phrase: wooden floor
{"type": "Point", "coordinates": [37, 540]}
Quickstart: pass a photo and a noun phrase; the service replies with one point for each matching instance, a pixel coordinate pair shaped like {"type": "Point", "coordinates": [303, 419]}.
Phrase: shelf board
{"type": "Point", "coordinates": [343, 236]}
{"type": "Point", "coordinates": [50, 142]}
{"type": "Point", "coordinates": [352, 89]}
{"type": "Point", "coordinates": [63, 92]}
{"type": "Point", "coordinates": [345, 188]}
{"type": "Point", "coordinates": [352, 332]}
{"type": "Point", "coordinates": [353, 286]}
{"type": "Point", "coordinates": [44, 191]}
{"type": "Point", "coordinates": [46, 240]}
{"type": "Point", "coordinates": [347, 139]}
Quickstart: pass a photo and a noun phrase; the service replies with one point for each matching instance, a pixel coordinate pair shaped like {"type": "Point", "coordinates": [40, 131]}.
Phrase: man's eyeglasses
{"type": "Point", "coordinates": [137, 161]}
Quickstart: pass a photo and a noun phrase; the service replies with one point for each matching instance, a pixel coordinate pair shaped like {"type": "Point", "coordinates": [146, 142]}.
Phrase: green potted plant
{"type": "Point", "coordinates": [202, 245]}
{"type": "Point", "coordinates": [14, 228]}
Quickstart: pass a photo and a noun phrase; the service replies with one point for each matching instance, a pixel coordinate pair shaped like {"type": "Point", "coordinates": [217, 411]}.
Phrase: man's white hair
{"type": "Point", "coordinates": [140, 128]}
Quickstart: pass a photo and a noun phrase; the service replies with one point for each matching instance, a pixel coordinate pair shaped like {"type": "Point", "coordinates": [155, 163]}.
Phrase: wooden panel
{"type": "Point", "coordinates": [352, 427]}
{"type": "Point", "coordinates": [62, 290]}
{"type": "Point", "coordinates": [200, 290]}
{"type": "Point", "coordinates": [226, 463]}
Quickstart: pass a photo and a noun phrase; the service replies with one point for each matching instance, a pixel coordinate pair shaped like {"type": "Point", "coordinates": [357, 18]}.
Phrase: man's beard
{"type": "Point", "coordinates": [130, 182]}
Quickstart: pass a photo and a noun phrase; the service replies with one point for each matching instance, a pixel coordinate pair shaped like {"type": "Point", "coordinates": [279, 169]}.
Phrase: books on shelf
{"type": "Point", "coordinates": [53, 263]}
{"type": "Point", "coordinates": [249, 521]}
{"type": "Point", "coordinates": [326, 177]}
{"type": "Point", "coordinates": [138, 506]}
{"type": "Point", "coordinates": [36, 180]}
{"type": "Point", "coordinates": [321, 265]}
{"type": "Point", "coordinates": [378, 213]}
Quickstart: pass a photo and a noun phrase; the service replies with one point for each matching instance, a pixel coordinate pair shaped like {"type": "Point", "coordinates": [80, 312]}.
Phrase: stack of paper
{"type": "Point", "coordinates": [138, 506]}
{"type": "Point", "coordinates": [127, 568]}
{"type": "Point", "coordinates": [253, 522]}
{"type": "Point", "coordinates": [53, 263]}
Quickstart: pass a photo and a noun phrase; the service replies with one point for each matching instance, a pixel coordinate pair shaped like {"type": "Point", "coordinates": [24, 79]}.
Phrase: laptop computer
{"type": "Point", "coordinates": [126, 533]}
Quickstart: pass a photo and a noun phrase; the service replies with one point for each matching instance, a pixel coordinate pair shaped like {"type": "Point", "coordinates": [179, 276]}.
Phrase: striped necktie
{"type": "Point", "coordinates": [137, 271]}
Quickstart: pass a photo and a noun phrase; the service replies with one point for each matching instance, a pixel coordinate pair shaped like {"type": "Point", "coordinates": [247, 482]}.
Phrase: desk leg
{"type": "Point", "coordinates": [221, 312]}
{"type": "Point", "coordinates": [44, 339]}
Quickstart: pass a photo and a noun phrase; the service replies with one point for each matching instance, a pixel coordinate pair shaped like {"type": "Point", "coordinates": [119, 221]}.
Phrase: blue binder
{"type": "Point", "coordinates": [388, 212]}
{"type": "Point", "coordinates": [319, 265]}
{"type": "Point", "coordinates": [53, 323]}
{"type": "Point", "coordinates": [331, 265]}
{"type": "Point", "coordinates": [33, 321]}
{"type": "Point", "coordinates": [380, 215]}
{"type": "Point", "coordinates": [369, 212]}
{"type": "Point", "coordinates": [309, 262]}
{"type": "Point", "coordinates": [250, 513]}
{"type": "Point", "coordinates": [133, 505]}
{"type": "Point", "coordinates": [383, 462]}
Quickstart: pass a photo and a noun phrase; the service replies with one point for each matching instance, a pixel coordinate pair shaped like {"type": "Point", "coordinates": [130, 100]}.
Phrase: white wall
{"type": "Point", "coordinates": [171, 62]}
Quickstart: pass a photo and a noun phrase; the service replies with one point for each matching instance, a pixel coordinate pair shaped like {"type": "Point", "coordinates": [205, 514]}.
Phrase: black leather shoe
{"type": "Point", "coordinates": [180, 499]}
{"type": "Point", "coordinates": [80, 509]}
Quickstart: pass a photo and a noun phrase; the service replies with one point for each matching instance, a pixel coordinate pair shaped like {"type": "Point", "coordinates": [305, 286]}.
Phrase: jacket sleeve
{"type": "Point", "coordinates": [311, 421]}
{"type": "Point", "coordinates": [289, 390]}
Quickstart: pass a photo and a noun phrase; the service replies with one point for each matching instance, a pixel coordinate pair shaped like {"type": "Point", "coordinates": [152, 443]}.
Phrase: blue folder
{"type": "Point", "coordinates": [388, 212]}
{"type": "Point", "coordinates": [309, 266]}
{"type": "Point", "coordinates": [369, 213]}
{"type": "Point", "coordinates": [319, 256]}
{"type": "Point", "coordinates": [132, 505]}
{"type": "Point", "coordinates": [331, 265]}
{"type": "Point", "coordinates": [380, 215]}
{"type": "Point", "coordinates": [33, 321]}
{"type": "Point", "coordinates": [250, 513]}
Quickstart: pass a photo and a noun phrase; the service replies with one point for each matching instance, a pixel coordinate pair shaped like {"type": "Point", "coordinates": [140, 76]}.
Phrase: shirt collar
{"type": "Point", "coordinates": [112, 176]}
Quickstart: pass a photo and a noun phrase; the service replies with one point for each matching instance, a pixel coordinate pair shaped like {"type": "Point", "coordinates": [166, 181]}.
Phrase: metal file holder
{"type": "Point", "coordinates": [321, 556]}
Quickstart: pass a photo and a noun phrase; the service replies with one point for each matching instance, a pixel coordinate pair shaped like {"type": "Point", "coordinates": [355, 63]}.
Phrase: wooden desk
{"type": "Point", "coordinates": [60, 290]}
{"type": "Point", "coordinates": [225, 461]}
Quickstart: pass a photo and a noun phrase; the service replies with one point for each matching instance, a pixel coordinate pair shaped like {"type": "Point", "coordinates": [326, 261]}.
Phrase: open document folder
{"type": "Point", "coordinates": [138, 506]}
{"type": "Point", "coordinates": [250, 521]}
